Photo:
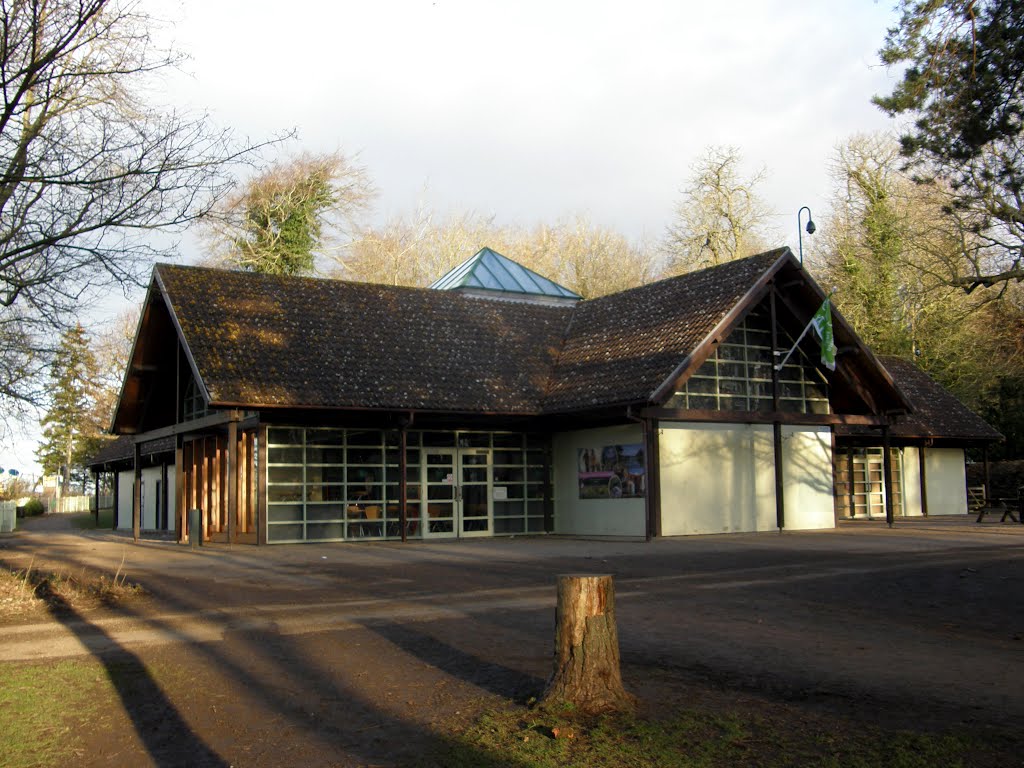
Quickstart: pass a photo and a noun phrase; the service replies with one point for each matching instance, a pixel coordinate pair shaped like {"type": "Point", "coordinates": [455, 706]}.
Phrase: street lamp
{"type": "Point", "coordinates": [800, 233]}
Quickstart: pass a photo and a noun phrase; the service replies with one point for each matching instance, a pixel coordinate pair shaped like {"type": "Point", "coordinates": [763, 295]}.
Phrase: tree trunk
{"type": "Point", "coordinates": [586, 674]}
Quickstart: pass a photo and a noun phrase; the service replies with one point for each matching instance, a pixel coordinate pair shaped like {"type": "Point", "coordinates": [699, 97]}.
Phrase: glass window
{"type": "Point", "coordinates": [738, 375]}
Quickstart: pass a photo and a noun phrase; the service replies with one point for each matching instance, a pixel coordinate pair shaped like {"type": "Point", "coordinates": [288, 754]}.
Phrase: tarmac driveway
{"type": "Point", "coordinates": [347, 653]}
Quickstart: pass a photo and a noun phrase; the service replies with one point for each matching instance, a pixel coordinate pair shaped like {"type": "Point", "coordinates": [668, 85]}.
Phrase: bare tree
{"type": "Point", "coordinates": [720, 216]}
{"type": "Point", "coordinates": [416, 250]}
{"type": "Point", "coordinates": [588, 259]}
{"type": "Point", "coordinates": [88, 169]}
{"type": "Point", "coordinates": [281, 220]}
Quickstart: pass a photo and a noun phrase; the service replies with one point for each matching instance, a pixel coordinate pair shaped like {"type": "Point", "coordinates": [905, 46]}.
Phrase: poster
{"type": "Point", "coordinates": [613, 472]}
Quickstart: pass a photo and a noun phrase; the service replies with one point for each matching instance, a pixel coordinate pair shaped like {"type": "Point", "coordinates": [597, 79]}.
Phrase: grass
{"type": "Point", "coordinates": [38, 727]}
{"type": "Point", "coordinates": [692, 738]}
{"type": "Point", "coordinates": [32, 589]}
{"type": "Point", "coordinates": [87, 521]}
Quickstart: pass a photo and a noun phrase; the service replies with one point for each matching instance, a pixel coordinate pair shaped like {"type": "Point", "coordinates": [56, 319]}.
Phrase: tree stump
{"type": "Point", "coordinates": [586, 675]}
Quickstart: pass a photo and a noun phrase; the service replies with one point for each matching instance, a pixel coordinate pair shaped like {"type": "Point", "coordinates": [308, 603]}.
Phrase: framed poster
{"type": "Point", "coordinates": [613, 472]}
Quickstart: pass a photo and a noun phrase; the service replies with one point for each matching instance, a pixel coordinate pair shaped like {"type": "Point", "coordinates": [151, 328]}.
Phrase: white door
{"type": "Point", "coordinates": [457, 492]}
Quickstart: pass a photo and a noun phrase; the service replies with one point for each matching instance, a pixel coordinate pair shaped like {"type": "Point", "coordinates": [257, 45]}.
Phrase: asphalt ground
{"type": "Point", "coordinates": [919, 625]}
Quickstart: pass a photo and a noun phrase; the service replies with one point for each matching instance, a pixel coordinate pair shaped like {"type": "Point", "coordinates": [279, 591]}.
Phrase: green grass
{"type": "Point", "coordinates": [41, 707]}
{"type": "Point", "coordinates": [519, 738]}
{"type": "Point", "coordinates": [87, 520]}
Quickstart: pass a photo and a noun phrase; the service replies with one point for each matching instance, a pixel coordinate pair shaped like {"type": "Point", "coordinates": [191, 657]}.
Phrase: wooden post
{"type": "Point", "coordinates": [586, 674]}
{"type": "Point", "coordinates": [96, 495]}
{"type": "Point", "coordinates": [887, 474]}
{"type": "Point", "coordinates": [117, 499]}
{"type": "Point", "coordinates": [137, 494]}
{"type": "Point", "coordinates": [231, 471]}
{"type": "Point", "coordinates": [780, 494]}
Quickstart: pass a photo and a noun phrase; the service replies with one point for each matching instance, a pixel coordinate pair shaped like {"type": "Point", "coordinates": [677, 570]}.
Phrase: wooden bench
{"type": "Point", "coordinates": [1010, 508]}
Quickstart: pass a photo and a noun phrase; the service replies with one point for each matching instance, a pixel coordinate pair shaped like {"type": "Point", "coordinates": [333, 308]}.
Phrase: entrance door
{"type": "Point", "coordinates": [458, 492]}
{"type": "Point", "coordinates": [866, 497]}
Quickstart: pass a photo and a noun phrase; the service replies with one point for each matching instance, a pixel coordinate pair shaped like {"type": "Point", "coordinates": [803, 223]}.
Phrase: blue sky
{"type": "Point", "coordinates": [530, 111]}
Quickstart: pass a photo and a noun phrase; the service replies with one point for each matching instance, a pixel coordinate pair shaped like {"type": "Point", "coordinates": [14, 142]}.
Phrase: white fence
{"type": "Point", "coordinates": [78, 504]}
{"type": "Point", "coordinates": [8, 512]}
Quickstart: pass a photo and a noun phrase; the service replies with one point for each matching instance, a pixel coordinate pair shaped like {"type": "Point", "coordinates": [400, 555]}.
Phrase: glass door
{"type": "Point", "coordinates": [440, 497]}
{"type": "Point", "coordinates": [457, 487]}
{"type": "Point", "coordinates": [475, 492]}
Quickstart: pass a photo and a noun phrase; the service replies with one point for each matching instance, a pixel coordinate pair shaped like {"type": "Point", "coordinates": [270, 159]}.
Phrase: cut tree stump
{"type": "Point", "coordinates": [586, 675]}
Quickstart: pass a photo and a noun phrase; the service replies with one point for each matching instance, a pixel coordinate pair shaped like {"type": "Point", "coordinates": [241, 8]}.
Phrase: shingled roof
{"type": "Point", "coordinates": [259, 341]}
{"type": "Point", "coordinates": [937, 413]}
{"type": "Point", "coordinates": [621, 347]}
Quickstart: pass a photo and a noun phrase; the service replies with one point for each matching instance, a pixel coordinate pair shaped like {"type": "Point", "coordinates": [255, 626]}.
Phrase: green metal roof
{"type": "Point", "coordinates": [490, 271]}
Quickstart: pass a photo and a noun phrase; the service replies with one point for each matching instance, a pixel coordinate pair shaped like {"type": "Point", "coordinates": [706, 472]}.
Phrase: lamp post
{"type": "Point", "coordinates": [800, 233]}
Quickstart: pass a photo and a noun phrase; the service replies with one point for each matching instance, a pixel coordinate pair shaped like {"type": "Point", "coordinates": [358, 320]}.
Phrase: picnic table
{"type": "Point", "coordinates": [1010, 507]}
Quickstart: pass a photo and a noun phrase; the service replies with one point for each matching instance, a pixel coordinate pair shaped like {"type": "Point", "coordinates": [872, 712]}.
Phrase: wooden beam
{"type": "Point", "coordinates": [724, 327]}
{"type": "Point", "coordinates": [232, 479]}
{"type": "Point", "coordinates": [117, 500]}
{"type": "Point", "coordinates": [137, 495]}
{"type": "Point", "coordinates": [763, 417]}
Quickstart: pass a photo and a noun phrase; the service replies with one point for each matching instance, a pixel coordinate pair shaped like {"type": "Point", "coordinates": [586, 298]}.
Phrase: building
{"type": "Point", "coordinates": [497, 402]}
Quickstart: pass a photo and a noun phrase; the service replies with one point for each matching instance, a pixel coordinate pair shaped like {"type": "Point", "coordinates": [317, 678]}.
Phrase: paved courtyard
{"type": "Point", "coordinates": [349, 653]}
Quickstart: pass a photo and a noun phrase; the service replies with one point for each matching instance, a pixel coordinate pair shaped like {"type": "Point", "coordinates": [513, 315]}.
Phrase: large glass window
{"type": "Point", "coordinates": [738, 376]}
{"type": "Point", "coordinates": [337, 484]}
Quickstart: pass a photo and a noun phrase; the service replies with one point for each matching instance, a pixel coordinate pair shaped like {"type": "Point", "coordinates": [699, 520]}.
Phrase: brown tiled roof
{"type": "Point", "coordinates": [122, 449]}
{"type": "Point", "coordinates": [265, 341]}
{"type": "Point", "coordinates": [260, 340]}
{"type": "Point", "coordinates": [937, 413]}
{"type": "Point", "coordinates": [621, 347]}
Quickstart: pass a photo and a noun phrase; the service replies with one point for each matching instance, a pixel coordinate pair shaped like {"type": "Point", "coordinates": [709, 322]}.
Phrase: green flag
{"type": "Point", "coordinates": [822, 322]}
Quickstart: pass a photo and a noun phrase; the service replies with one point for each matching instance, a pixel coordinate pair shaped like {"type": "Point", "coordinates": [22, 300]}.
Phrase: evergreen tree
{"type": "Point", "coordinates": [71, 426]}
{"type": "Point", "coordinates": [963, 88]}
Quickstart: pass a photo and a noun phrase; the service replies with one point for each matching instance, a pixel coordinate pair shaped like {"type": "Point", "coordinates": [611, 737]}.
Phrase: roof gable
{"type": "Point", "coordinates": [260, 341]}
{"type": "Point", "coordinates": [621, 348]}
{"type": "Point", "coordinates": [489, 271]}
